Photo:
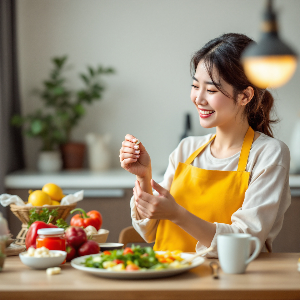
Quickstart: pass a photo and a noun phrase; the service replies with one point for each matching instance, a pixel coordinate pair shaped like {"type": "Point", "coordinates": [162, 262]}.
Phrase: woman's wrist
{"type": "Point", "coordinates": [146, 177]}
{"type": "Point", "coordinates": [145, 182]}
{"type": "Point", "coordinates": [178, 215]}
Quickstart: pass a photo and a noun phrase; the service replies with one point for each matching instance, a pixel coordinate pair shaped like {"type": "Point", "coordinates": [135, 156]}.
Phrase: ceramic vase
{"type": "Point", "coordinates": [49, 161]}
{"type": "Point", "coordinates": [99, 155]}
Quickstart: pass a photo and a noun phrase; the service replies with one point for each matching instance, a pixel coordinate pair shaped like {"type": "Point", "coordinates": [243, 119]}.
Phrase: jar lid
{"type": "Point", "coordinates": [50, 231]}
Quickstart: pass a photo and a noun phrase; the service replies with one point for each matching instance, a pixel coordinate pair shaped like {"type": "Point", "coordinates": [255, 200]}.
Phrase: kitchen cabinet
{"type": "Point", "coordinates": [288, 239]}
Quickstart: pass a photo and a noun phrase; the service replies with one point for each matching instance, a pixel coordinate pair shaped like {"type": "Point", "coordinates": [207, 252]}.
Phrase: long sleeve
{"type": "Point", "coordinates": [266, 199]}
{"type": "Point", "coordinates": [147, 227]}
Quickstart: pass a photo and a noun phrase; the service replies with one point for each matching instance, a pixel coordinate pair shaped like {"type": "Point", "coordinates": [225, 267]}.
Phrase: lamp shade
{"type": "Point", "coordinates": [269, 63]}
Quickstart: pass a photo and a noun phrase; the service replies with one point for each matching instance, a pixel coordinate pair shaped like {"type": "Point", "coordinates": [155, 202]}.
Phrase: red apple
{"type": "Point", "coordinates": [71, 252]}
{"type": "Point", "coordinates": [89, 247]}
{"type": "Point", "coordinates": [75, 236]}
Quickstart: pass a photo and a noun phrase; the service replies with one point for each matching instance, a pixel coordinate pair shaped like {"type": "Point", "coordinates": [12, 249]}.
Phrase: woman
{"type": "Point", "coordinates": [236, 181]}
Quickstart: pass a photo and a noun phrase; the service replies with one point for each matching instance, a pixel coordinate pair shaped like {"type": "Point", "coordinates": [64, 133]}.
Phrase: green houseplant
{"type": "Point", "coordinates": [64, 108]}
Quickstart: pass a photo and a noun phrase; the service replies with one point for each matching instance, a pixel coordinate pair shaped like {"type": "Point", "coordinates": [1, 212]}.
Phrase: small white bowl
{"type": "Point", "coordinates": [43, 262]}
{"type": "Point", "coordinates": [110, 246]}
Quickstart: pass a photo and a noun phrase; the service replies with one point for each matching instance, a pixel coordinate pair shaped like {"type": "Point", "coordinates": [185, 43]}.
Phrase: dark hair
{"type": "Point", "coordinates": [224, 53]}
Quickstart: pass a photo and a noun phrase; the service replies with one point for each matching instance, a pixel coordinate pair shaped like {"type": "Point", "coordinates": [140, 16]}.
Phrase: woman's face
{"type": "Point", "coordinates": [214, 108]}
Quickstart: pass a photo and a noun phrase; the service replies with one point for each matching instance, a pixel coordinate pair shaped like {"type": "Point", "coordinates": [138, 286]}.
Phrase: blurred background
{"type": "Point", "coordinates": [144, 48]}
{"type": "Point", "coordinates": [149, 44]}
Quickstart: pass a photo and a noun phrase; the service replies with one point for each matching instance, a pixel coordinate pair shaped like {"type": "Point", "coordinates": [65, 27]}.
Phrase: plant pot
{"type": "Point", "coordinates": [49, 161]}
{"type": "Point", "coordinates": [73, 155]}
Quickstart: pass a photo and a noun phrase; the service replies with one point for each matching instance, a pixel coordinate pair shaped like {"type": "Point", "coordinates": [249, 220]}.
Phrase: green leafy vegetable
{"type": "Point", "coordinates": [143, 257]}
{"type": "Point", "coordinates": [46, 215]}
{"type": "Point", "coordinates": [61, 223]}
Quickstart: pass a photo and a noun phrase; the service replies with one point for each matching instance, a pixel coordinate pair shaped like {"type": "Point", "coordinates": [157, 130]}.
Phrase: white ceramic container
{"type": "Point", "coordinates": [234, 251]}
{"type": "Point", "coordinates": [49, 161]}
{"type": "Point", "coordinates": [43, 262]}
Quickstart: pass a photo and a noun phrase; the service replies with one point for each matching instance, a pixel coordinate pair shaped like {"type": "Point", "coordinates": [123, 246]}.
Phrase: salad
{"type": "Point", "coordinates": [135, 258]}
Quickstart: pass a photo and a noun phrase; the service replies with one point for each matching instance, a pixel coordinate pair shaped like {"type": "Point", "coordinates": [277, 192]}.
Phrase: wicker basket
{"type": "Point", "coordinates": [100, 237]}
{"type": "Point", "coordinates": [22, 213]}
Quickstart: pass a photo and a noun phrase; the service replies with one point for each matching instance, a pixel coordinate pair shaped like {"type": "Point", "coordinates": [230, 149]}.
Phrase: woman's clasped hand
{"type": "Point", "coordinates": [135, 159]}
{"type": "Point", "coordinates": [161, 207]}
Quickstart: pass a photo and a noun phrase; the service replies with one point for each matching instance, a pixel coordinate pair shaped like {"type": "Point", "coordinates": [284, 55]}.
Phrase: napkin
{"type": "Point", "coordinates": [7, 199]}
{"type": "Point", "coordinates": [69, 199]}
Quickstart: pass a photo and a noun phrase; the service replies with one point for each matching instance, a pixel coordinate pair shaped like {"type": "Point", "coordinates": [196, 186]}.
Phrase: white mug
{"type": "Point", "coordinates": [234, 251]}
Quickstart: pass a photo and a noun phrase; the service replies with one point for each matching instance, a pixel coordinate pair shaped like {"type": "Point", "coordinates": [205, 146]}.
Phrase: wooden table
{"type": "Point", "coordinates": [270, 276]}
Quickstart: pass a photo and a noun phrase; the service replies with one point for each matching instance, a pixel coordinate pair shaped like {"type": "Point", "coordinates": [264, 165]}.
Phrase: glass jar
{"type": "Point", "coordinates": [51, 238]}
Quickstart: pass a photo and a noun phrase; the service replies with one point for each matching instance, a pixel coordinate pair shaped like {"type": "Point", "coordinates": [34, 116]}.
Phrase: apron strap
{"type": "Point", "coordinates": [247, 143]}
{"type": "Point", "coordinates": [198, 151]}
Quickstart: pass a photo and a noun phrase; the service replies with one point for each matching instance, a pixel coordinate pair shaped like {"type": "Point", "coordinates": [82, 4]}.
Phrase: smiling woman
{"type": "Point", "coordinates": [235, 181]}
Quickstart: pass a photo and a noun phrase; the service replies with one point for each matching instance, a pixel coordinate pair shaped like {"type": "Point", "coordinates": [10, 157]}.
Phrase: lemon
{"type": "Point", "coordinates": [54, 202]}
{"type": "Point", "coordinates": [39, 198]}
{"type": "Point", "coordinates": [54, 191]}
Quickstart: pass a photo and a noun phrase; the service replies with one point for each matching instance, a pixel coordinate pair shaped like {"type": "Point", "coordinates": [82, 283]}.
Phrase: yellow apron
{"type": "Point", "coordinates": [209, 194]}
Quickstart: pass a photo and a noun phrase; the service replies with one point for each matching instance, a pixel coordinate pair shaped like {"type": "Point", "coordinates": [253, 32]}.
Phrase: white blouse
{"type": "Point", "coordinates": [266, 199]}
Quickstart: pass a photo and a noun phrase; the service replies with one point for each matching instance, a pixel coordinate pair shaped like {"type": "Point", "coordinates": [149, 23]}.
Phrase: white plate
{"type": "Point", "coordinates": [76, 263]}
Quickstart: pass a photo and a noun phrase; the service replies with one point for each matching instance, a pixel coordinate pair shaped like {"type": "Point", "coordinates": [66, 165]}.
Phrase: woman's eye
{"type": "Point", "coordinates": [194, 86]}
{"type": "Point", "coordinates": [211, 92]}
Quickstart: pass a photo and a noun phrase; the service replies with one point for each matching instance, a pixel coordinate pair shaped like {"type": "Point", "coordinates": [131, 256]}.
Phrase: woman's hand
{"type": "Point", "coordinates": [162, 207]}
{"type": "Point", "coordinates": [134, 158]}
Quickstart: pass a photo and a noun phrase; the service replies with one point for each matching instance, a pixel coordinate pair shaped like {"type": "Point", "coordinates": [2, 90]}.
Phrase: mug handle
{"type": "Point", "coordinates": [256, 251]}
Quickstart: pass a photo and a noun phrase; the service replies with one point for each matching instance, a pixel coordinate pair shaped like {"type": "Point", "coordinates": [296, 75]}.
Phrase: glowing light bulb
{"type": "Point", "coordinates": [270, 63]}
{"type": "Point", "coordinates": [270, 71]}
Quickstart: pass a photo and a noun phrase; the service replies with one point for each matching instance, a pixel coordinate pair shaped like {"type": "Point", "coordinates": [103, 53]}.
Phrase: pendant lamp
{"type": "Point", "coordinates": [270, 63]}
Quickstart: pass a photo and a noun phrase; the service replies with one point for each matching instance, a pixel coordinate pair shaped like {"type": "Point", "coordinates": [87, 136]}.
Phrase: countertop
{"type": "Point", "coordinates": [83, 179]}
{"type": "Point", "coordinates": [270, 276]}
{"type": "Point", "coordinates": [114, 178]}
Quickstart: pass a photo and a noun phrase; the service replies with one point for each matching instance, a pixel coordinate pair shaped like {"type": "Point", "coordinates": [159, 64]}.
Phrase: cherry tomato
{"type": "Point", "coordinates": [118, 261]}
{"type": "Point", "coordinates": [106, 253]}
{"type": "Point", "coordinates": [132, 267]}
{"type": "Point", "coordinates": [127, 251]}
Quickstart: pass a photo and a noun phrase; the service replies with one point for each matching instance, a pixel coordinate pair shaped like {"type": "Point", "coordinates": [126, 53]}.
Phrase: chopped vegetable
{"type": "Point", "coordinates": [135, 258]}
{"type": "Point", "coordinates": [40, 252]}
{"type": "Point", "coordinates": [53, 271]}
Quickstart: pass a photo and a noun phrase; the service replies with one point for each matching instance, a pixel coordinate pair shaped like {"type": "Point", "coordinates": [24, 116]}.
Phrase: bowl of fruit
{"type": "Point", "coordinates": [43, 202]}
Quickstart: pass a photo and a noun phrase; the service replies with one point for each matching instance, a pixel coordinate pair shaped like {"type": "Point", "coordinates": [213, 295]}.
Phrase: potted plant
{"type": "Point", "coordinates": [44, 127]}
{"type": "Point", "coordinates": [66, 108]}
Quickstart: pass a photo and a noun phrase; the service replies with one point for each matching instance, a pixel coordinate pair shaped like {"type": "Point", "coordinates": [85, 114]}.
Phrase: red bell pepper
{"type": "Point", "coordinates": [92, 218]}
{"type": "Point", "coordinates": [31, 235]}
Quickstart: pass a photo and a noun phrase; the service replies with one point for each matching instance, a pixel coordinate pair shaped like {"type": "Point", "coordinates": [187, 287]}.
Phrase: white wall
{"type": "Point", "coordinates": [150, 44]}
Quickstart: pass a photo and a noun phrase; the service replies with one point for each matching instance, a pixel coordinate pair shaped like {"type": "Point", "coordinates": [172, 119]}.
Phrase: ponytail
{"type": "Point", "coordinates": [259, 110]}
